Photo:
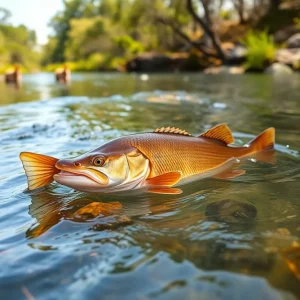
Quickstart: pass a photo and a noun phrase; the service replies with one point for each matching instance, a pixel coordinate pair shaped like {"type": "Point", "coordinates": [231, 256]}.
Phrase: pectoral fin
{"type": "Point", "coordinates": [164, 190]}
{"type": "Point", "coordinates": [167, 179]}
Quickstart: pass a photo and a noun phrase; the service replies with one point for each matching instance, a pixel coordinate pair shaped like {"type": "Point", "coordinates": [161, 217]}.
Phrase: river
{"type": "Point", "coordinates": [219, 239]}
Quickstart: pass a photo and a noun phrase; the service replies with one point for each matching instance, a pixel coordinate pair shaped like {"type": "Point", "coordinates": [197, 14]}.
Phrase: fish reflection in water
{"type": "Point", "coordinates": [292, 257]}
{"type": "Point", "coordinates": [49, 209]}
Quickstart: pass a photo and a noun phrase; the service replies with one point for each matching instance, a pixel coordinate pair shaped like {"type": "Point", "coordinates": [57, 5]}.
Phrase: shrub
{"type": "Point", "coordinates": [226, 14]}
{"type": "Point", "coordinates": [261, 50]}
{"type": "Point", "coordinates": [297, 22]}
{"type": "Point", "coordinates": [127, 45]}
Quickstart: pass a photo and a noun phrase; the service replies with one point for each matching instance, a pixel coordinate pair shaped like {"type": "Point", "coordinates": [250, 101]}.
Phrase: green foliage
{"type": "Point", "coordinates": [226, 14]}
{"type": "Point", "coordinates": [127, 45]}
{"type": "Point", "coordinates": [296, 65]}
{"type": "Point", "coordinates": [86, 36]}
{"type": "Point", "coordinates": [297, 22]}
{"type": "Point", "coordinates": [95, 62]}
{"type": "Point", "coordinates": [260, 49]}
{"type": "Point", "coordinates": [114, 28]}
{"type": "Point", "coordinates": [16, 46]}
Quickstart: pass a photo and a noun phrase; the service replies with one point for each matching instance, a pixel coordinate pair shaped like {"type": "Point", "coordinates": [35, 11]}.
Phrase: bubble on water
{"type": "Point", "coordinates": [219, 105]}
{"type": "Point", "coordinates": [144, 77]}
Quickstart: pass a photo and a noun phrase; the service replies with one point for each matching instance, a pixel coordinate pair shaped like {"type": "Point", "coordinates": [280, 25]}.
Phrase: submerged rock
{"type": "Point", "coordinates": [111, 222]}
{"type": "Point", "coordinates": [279, 69]}
{"type": "Point", "coordinates": [230, 211]}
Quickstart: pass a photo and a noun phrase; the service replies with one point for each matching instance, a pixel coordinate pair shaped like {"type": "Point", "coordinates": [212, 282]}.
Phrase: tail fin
{"type": "Point", "coordinates": [264, 141]}
{"type": "Point", "coordinates": [39, 169]}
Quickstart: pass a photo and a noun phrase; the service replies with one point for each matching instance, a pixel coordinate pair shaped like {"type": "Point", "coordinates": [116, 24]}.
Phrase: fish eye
{"type": "Point", "coordinates": [99, 161]}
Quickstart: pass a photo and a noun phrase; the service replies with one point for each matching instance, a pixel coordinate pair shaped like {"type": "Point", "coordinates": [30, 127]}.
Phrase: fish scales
{"type": "Point", "coordinates": [190, 155]}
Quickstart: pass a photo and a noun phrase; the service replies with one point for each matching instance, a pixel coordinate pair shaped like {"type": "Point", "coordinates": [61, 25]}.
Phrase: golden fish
{"type": "Point", "coordinates": [154, 162]}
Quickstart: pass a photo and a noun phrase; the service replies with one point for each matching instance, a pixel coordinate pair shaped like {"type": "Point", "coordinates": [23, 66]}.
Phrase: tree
{"type": "Point", "coordinates": [16, 46]}
{"type": "Point", "coordinates": [5, 14]}
{"type": "Point", "coordinates": [61, 25]}
{"type": "Point", "coordinates": [239, 5]}
{"type": "Point", "coordinates": [207, 27]}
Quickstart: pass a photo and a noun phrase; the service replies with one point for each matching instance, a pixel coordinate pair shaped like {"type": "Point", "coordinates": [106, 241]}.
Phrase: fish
{"type": "Point", "coordinates": [155, 162]}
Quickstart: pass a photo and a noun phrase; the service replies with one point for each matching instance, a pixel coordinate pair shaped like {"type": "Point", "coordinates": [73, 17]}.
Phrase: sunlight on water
{"type": "Point", "coordinates": [218, 240]}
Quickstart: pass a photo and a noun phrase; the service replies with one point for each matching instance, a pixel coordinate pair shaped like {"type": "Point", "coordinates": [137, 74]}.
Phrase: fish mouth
{"type": "Point", "coordinates": [96, 176]}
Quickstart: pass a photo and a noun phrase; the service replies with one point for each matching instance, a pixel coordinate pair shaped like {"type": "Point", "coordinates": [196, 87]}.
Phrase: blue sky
{"type": "Point", "coordinates": [34, 14]}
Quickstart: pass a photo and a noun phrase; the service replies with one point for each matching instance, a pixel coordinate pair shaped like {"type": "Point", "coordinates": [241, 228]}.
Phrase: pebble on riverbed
{"type": "Point", "coordinates": [283, 231]}
{"type": "Point", "coordinates": [230, 211]}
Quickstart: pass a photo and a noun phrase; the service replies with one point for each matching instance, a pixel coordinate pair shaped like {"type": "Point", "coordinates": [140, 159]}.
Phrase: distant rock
{"type": "Point", "coordinates": [288, 56]}
{"type": "Point", "coordinates": [278, 69]}
{"type": "Point", "coordinates": [157, 62]}
{"type": "Point", "coordinates": [224, 70]}
{"type": "Point", "coordinates": [284, 34]}
{"type": "Point", "coordinates": [235, 54]}
{"type": "Point", "coordinates": [294, 41]}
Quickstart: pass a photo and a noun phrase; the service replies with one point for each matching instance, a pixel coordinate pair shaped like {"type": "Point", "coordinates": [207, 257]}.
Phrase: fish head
{"type": "Point", "coordinates": [104, 171]}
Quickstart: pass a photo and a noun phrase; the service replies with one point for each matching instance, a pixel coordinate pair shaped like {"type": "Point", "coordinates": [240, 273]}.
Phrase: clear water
{"type": "Point", "coordinates": [169, 248]}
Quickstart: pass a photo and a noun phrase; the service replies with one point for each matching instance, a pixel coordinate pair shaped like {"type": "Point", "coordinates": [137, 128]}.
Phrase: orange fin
{"type": "Point", "coordinates": [167, 179]}
{"type": "Point", "coordinates": [231, 174]}
{"type": "Point", "coordinates": [39, 169]}
{"type": "Point", "coordinates": [264, 141]}
{"type": "Point", "coordinates": [220, 132]}
{"type": "Point", "coordinates": [164, 190]}
{"type": "Point", "coordinates": [267, 156]}
{"type": "Point", "coordinates": [172, 130]}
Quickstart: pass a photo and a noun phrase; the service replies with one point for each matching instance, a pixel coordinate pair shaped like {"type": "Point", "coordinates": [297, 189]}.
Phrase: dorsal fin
{"type": "Point", "coordinates": [220, 132]}
{"type": "Point", "coordinates": [172, 130]}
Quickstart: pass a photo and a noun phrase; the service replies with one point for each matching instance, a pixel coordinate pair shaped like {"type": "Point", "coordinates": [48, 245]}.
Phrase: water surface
{"type": "Point", "coordinates": [155, 246]}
